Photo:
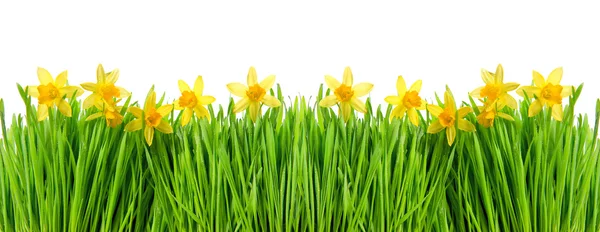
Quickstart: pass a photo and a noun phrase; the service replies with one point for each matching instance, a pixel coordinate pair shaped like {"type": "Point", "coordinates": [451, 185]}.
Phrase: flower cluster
{"type": "Point", "coordinates": [494, 96]}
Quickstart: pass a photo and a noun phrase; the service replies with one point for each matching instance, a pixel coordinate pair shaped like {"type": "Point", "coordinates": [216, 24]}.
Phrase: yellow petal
{"type": "Point", "coordinates": [183, 86]}
{"type": "Point", "coordinates": [268, 82]}
{"type": "Point", "coordinates": [328, 101]}
{"type": "Point", "coordinates": [416, 86]}
{"type": "Point", "coordinates": [68, 91]}
{"type": "Point", "coordinates": [499, 76]}
{"type": "Point", "coordinates": [487, 77]}
{"type": "Point", "coordinates": [201, 112]}
{"type": "Point", "coordinates": [164, 110]}
{"type": "Point", "coordinates": [358, 105]}
{"type": "Point", "coordinates": [530, 90]}
{"type": "Point", "coordinates": [510, 86]}
{"type": "Point", "coordinates": [205, 100]}
{"type": "Point", "coordinates": [413, 117]}
{"type": "Point", "coordinates": [345, 110]}
{"type": "Point", "coordinates": [44, 76]}
{"type": "Point", "coordinates": [555, 76]}
{"type": "Point", "coordinates": [61, 79]}
{"type": "Point", "coordinates": [237, 89]}
{"type": "Point", "coordinates": [150, 101]}
{"type": "Point", "coordinates": [463, 111]}
{"type": "Point", "coordinates": [89, 86]}
{"type": "Point", "coordinates": [176, 105]}
{"type": "Point", "coordinates": [538, 79]}
{"type": "Point", "coordinates": [149, 135]}
{"type": "Point", "coordinates": [435, 127]}
{"type": "Point", "coordinates": [64, 108]}
{"type": "Point", "coordinates": [331, 82]}
{"type": "Point", "coordinates": [254, 111]}
{"type": "Point", "coordinates": [535, 108]}
{"type": "Point", "coordinates": [476, 93]}
{"type": "Point", "coordinates": [449, 101]}
{"type": "Point", "coordinates": [94, 116]}
{"type": "Point", "coordinates": [401, 86]}
{"type": "Point", "coordinates": [362, 89]}
{"type": "Point", "coordinates": [505, 116]}
{"type": "Point", "coordinates": [90, 101]}
{"type": "Point", "coordinates": [393, 100]}
{"type": "Point", "coordinates": [42, 112]}
{"type": "Point", "coordinates": [348, 78]}
{"type": "Point", "coordinates": [134, 125]}
{"type": "Point", "coordinates": [557, 112]}
{"type": "Point", "coordinates": [435, 110]}
{"type": "Point", "coordinates": [113, 76]}
{"type": "Point", "coordinates": [422, 106]}
{"type": "Point", "coordinates": [271, 101]}
{"type": "Point", "coordinates": [33, 91]}
{"type": "Point", "coordinates": [136, 111]}
{"type": "Point", "coordinates": [164, 127]}
{"type": "Point", "coordinates": [241, 105]}
{"type": "Point", "coordinates": [199, 86]}
{"type": "Point", "coordinates": [465, 125]}
{"type": "Point", "coordinates": [123, 93]}
{"type": "Point", "coordinates": [566, 91]}
{"type": "Point", "coordinates": [451, 135]}
{"type": "Point", "coordinates": [509, 101]}
{"type": "Point", "coordinates": [252, 78]}
{"type": "Point", "coordinates": [398, 112]}
{"type": "Point", "coordinates": [100, 75]}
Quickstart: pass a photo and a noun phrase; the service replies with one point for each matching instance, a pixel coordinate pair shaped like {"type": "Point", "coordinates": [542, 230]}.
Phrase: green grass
{"type": "Point", "coordinates": [299, 168]}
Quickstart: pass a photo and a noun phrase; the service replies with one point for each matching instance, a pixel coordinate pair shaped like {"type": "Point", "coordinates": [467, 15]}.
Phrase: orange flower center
{"type": "Point", "coordinates": [412, 99]}
{"type": "Point", "coordinates": [255, 93]}
{"type": "Point", "coordinates": [446, 119]}
{"type": "Point", "coordinates": [344, 93]}
{"type": "Point", "coordinates": [108, 91]}
{"type": "Point", "coordinates": [188, 99]}
{"type": "Point", "coordinates": [551, 93]}
{"type": "Point", "coordinates": [48, 93]}
{"type": "Point", "coordinates": [113, 118]}
{"type": "Point", "coordinates": [153, 118]}
{"type": "Point", "coordinates": [491, 91]}
{"type": "Point", "coordinates": [486, 118]}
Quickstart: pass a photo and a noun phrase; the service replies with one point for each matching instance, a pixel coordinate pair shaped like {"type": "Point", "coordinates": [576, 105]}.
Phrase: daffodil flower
{"type": "Point", "coordinates": [495, 88]}
{"type": "Point", "coordinates": [52, 92]}
{"type": "Point", "coordinates": [150, 118]}
{"type": "Point", "coordinates": [104, 89]}
{"type": "Point", "coordinates": [110, 111]}
{"type": "Point", "coordinates": [547, 93]}
{"type": "Point", "coordinates": [346, 95]}
{"type": "Point", "coordinates": [449, 118]}
{"type": "Point", "coordinates": [407, 101]}
{"type": "Point", "coordinates": [253, 95]}
{"type": "Point", "coordinates": [192, 100]}
{"type": "Point", "coordinates": [489, 112]}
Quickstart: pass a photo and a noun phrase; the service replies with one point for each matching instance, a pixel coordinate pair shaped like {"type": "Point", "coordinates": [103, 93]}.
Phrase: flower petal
{"type": "Point", "coordinates": [201, 112]}
{"type": "Point", "coordinates": [44, 76]}
{"type": "Point", "coordinates": [123, 93]}
{"type": "Point", "coordinates": [509, 101]}
{"type": "Point", "coordinates": [68, 91]}
{"type": "Point", "coordinates": [555, 76]}
{"type": "Point", "coordinates": [345, 110]}
{"type": "Point", "coordinates": [487, 77]}
{"type": "Point", "coordinates": [435, 127]}
{"type": "Point", "coordinates": [150, 101]}
{"type": "Point", "coordinates": [398, 112]}
{"type": "Point", "coordinates": [557, 112]}
{"type": "Point", "coordinates": [136, 111]}
{"type": "Point", "coordinates": [241, 105]}
{"type": "Point", "coordinates": [476, 93]}
{"type": "Point", "coordinates": [183, 86]}
{"type": "Point", "coordinates": [535, 108]}
{"type": "Point", "coordinates": [61, 79]}
{"type": "Point", "coordinates": [348, 78]}
{"type": "Point", "coordinates": [113, 76]}
{"type": "Point", "coordinates": [449, 101]}
{"type": "Point", "coordinates": [465, 125]}
{"type": "Point", "coordinates": [205, 100]}
{"type": "Point", "coordinates": [268, 82]}
{"type": "Point", "coordinates": [328, 101]}
{"type": "Point", "coordinates": [435, 110]}
{"type": "Point", "coordinates": [538, 79]}
{"type": "Point", "coordinates": [89, 86]}
{"type": "Point", "coordinates": [416, 86]}
{"type": "Point", "coordinates": [94, 116]}
{"type": "Point", "coordinates": [362, 89]}
{"type": "Point", "coordinates": [358, 105]}
{"type": "Point", "coordinates": [510, 86]}
{"type": "Point", "coordinates": [451, 135]}
{"type": "Point", "coordinates": [199, 86]}
{"type": "Point", "coordinates": [254, 111]}
{"type": "Point", "coordinates": [90, 101]}
{"type": "Point", "coordinates": [252, 78]}
{"type": "Point", "coordinates": [505, 116]}
{"type": "Point", "coordinates": [566, 91]}
{"type": "Point", "coordinates": [530, 90]}
{"type": "Point", "coordinates": [64, 108]}
{"type": "Point", "coordinates": [401, 86]}
{"type": "Point", "coordinates": [422, 106]}
{"type": "Point", "coordinates": [164, 110]}
{"type": "Point", "coordinates": [134, 125]}
{"type": "Point", "coordinates": [331, 82]}
{"type": "Point", "coordinates": [413, 117]}
{"type": "Point", "coordinates": [42, 112]}
{"type": "Point", "coordinates": [33, 91]}
{"type": "Point", "coordinates": [100, 75]}
{"type": "Point", "coordinates": [463, 111]}
{"type": "Point", "coordinates": [393, 100]}
{"type": "Point", "coordinates": [187, 116]}
{"type": "Point", "coordinates": [149, 135]}
{"type": "Point", "coordinates": [499, 75]}
{"type": "Point", "coordinates": [237, 89]}
{"type": "Point", "coordinates": [164, 127]}
{"type": "Point", "coordinates": [271, 101]}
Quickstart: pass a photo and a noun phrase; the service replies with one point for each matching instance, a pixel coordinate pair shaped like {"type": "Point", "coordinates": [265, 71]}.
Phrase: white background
{"type": "Point", "coordinates": [440, 43]}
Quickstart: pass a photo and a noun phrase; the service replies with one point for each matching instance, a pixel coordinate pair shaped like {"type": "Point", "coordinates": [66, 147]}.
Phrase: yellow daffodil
{"type": "Point", "coordinates": [346, 95]}
{"type": "Point", "coordinates": [192, 100]}
{"type": "Point", "coordinates": [104, 89]}
{"type": "Point", "coordinates": [489, 111]}
{"type": "Point", "coordinates": [449, 118]}
{"type": "Point", "coordinates": [110, 111]}
{"type": "Point", "coordinates": [254, 94]}
{"type": "Point", "coordinates": [52, 92]}
{"type": "Point", "coordinates": [495, 88]}
{"type": "Point", "coordinates": [407, 101]}
{"type": "Point", "coordinates": [547, 93]}
{"type": "Point", "coordinates": [150, 118]}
